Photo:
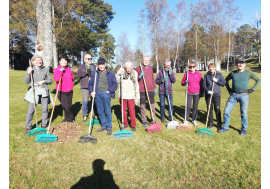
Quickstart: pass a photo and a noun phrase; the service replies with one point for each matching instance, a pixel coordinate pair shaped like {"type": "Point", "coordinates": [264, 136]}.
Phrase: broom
{"type": "Point", "coordinates": [206, 131]}
{"type": "Point", "coordinates": [155, 127]}
{"type": "Point", "coordinates": [185, 126]}
{"type": "Point", "coordinates": [37, 130]}
{"type": "Point", "coordinates": [122, 134]}
{"type": "Point", "coordinates": [46, 138]}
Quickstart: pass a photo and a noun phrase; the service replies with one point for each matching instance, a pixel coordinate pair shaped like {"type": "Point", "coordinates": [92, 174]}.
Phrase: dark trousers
{"type": "Point", "coordinates": [216, 101]}
{"type": "Point", "coordinates": [195, 99]}
{"type": "Point", "coordinates": [66, 101]}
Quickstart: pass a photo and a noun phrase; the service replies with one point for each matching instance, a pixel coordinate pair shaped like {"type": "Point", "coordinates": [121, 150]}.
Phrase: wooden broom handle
{"type": "Point", "coordinates": [210, 101]}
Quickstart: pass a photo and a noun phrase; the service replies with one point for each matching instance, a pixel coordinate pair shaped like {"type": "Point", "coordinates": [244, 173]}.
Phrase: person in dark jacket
{"type": "Point", "coordinates": [209, 78]}
{"type": "Point", "coordinates": [105, 88]}
{"type": "Point", "coordinates": [84, 73]}
{"type": "Point", "coordinates": [165, 86]}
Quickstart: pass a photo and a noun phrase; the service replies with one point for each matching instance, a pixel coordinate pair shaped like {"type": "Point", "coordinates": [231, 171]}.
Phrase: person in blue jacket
{"type": "Point", "coordinates": [207, 85]}
{"type": "Point", "coordinates": [105, 88]}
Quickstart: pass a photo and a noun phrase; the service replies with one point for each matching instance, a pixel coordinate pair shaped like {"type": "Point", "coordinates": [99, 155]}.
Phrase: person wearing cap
{"type": "Point", "coordinates": [208, 80]}
{"type": "Point", "coordinates": [239, 92]}
{"type": "Point", "coordinates": [65, 93]}
{"type": "Point", "coordinates": [165, 86]}
{"type": "Point", "coordinates": [195, 90]}
{"type": "Point", "coordinates": [148, 74]}
{"type": "Point", "coordinates": [105, 88]}
{"type": "Point", "coordinates": [130, 92]}
{"type": "Point", "coordinates": [84, 73]}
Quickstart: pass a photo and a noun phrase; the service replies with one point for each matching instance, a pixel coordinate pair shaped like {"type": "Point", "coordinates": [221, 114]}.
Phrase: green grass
{"type": "Point", "coordinates": [169, 159]}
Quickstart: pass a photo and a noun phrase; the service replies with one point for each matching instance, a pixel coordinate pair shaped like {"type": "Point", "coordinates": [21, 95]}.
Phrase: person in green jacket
{"type": "Point", "coordinates": [239, 93]}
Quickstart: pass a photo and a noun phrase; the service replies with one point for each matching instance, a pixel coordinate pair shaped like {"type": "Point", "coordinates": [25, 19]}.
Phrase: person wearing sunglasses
{"type": "Point", "coordinates": [195, 90]}
{"type": "Point", "coordinates": [84, 73]}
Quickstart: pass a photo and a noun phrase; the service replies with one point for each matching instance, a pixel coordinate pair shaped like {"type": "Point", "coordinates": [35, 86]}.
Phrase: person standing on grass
{"type": "Point", "coordinates": [148, 74]}
{"type": "Point", "coordinates": [239, 93]}
{"type": "Point", "coordinates": [84, 73]}
{"type": "Point", "coordinates": [65, 92]}
{"type": "Point", "coordinates": [165, 85]}
{"type": "Point", "coordinates": [106, 86]}
{"type": "Point", "coordinates": [207, 85]}
{"type": "Point", "coordinates": [130, 92]}
{"type": "Point", "coordinates": [41, 80]}
{"type": "Point", "coordinates": [195, 90]}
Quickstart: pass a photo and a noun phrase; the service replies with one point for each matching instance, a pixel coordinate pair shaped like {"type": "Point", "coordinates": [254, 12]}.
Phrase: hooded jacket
{"type": "Point", "coordinates": [207, 83]}
{"type": "Point", "coordinates": [163, 86]}
{"type": "Point", "coordinates": [66, 81]}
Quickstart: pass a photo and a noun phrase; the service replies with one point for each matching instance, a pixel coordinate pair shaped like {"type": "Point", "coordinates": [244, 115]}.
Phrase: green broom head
{"type": "Point", "coordinates": [122, 135]}
{"type": "Point", "coordinates": [205, 132]}
{"type": "Point", "coordinates": [93, 122]}
{"type": "Point", "coordinates": [37, 131]}
{"type": "Point", "coordinates": [46, 138]}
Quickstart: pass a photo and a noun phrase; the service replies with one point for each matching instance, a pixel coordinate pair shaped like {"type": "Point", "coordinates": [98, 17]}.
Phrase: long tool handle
{"type": "Point", "coordinates": [147, 93]}
{"type": "Point", "coordinates": [54, 104]}
{"type": "Point", "coordinates": [210, 101]}
{"type": "Point", "coordinates": [168, 96]}
{"type": "Point", "coordinates": [93, 100]}
{"type": "Point", "coordinates": [186, 94]}
{"type": "Point", "coordinates": [33, 93]}
{"type": "Point", "coordinates": [122, 98]}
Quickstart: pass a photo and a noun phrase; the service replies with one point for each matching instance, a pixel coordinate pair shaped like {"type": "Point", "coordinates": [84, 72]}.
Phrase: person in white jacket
{"type": "Point", "coordinates": [130, 92]}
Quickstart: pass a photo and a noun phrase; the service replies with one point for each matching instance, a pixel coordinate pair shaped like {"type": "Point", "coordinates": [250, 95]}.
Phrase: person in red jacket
{"type": "Point", "coordinates": [65, 92]}
{"type": "Point", "coordinates": [195, 90]}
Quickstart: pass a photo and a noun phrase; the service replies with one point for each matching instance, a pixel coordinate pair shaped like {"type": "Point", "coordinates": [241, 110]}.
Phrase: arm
{"type": "Point", "coordinates": [57, 74]}
{"type": "Point", "coordinates": [221, 82]}
{"type": "Point", "coordinates": [72, 76]}
{"type": "Point", "coordinates": [114, 86]}
{"type": "Point", "coordinates": [136, 85]}
{"type": "Point", "coordinates": [153, 80]}
{"type": "Point", "coordinates": [227, 79]}
{"type": "Point", "coordinates": [159, 78]}
{"type": "Point", "coordinates": [184, 79]}
{"type": "Point", "coordinates": [91, 83]}
{"type": "Point", "coordinates": [27, 78]}
{"type": "Point", "coordinates": [201, 84]}
{"type": "Point", "coordinates": [138, 70]}
{"type": "Point", "coordinates": [81, 73]}
{"type": "Point", "coordinates": [172, 78]}
{"type": "Point", "coordinates": [204, 83]}
{"type": "Point", "coordinates": [48, 79]}
{"type": "Point", "coordinates": [253, 76]}
{"type": "Point", "coordinates": [118, 76]}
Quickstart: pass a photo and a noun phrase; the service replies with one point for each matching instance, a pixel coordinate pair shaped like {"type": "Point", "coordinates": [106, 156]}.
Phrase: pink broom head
{"type": "Point", "coordinates": [156, 127]}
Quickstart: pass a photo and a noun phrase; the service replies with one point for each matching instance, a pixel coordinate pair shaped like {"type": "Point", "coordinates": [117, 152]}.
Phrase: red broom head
{"type": "Point", "coordinates": [156, 127]}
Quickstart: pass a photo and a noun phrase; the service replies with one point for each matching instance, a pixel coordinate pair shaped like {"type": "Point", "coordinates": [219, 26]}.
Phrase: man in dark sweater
{"type": "Point", "coordinates": [239, 93]}
{"type": "Point", "coordinates": [148, 75]}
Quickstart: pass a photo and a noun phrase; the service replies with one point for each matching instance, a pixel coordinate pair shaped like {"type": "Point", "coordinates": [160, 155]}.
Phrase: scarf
{"type": "Point", "coordinates": [131, 75]}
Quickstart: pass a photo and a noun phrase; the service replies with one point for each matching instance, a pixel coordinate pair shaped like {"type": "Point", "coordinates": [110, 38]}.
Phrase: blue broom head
{"type": "Point", "coordinates": [46, 138]}
{"type": "Point", "coordinates": [93, 122]}
{"type": "Point", "coordinates": [122, 135]}
{"type": "Point", "coordinates": [205, 132]}
{"type": "Point", "coordinates": [37, 131]}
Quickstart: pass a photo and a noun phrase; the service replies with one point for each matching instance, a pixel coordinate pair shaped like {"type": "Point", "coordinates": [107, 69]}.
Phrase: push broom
{"type": "Point", "coordinates": [173, 124]}
{"type": "Point", "coordinates": [37, 130]}
{"type": "Point", "coordinates": [155, 127]}
{"type": "Point", "coordinates": [89, 138]}
{"type": "Point", "coordinates": [206, 131]}
{"type": "Point", "coordinates": [185, 126]}
{"type": "Point", "coordinates": [46, 138]}
{"type": "Point", "coordinates": [122, 134]}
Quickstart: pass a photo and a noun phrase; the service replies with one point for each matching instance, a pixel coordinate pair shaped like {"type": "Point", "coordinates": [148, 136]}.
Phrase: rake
{"type": "Point", "coordinates": [122, 134]}
{"type": "Point", "coordinates": [185, 126]}
{"type": "Point", "coordinates": [47, 138]}
{"type": "Point", "coordinates": [37, 130]}
{"type": "Point", "coordinates": [206, 131]}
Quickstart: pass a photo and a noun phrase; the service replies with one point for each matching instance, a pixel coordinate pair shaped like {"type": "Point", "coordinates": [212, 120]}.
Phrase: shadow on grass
{"type": "Point", "coordinates": [99, 179]}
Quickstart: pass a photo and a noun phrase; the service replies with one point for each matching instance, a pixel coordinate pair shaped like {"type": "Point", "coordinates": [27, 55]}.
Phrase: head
{"type": "Point", "coordinates": [212, 68]}
{"type": "Point", "coordinates": [62, 60]}
{"type": "Point", "coordinates": [167, 64]}
{"type": "Point", "coordinates": [240, 65]}
{"type": "Point", "coordinates": [128, 67]}
{"type": "Point", "coordinates": [101, 64]}
{"type": "Point", "coordinates": [192, 66]}
{"type": "Point", "coordinates": [146, 60]}
{"type": "Point", "coordinates": [37, 60]}
{"type": "Point", "coordinates": [87, 59]}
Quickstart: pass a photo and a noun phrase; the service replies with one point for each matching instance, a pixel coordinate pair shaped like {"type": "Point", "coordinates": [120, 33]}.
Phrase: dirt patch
{"type": "Point", "coordinates": [66, 132]}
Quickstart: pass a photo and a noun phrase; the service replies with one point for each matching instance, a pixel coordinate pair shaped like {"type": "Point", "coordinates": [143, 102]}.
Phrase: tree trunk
{"type": "Point", "coordinates": [196, 43]}
{"type": "Point", "coordinates": [157, 68]}
{"type": "Point", "coordinates": [55, 60]}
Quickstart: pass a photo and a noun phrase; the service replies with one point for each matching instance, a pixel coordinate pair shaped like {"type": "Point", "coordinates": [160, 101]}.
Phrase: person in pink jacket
{"type": "Point", "coordinates": [65, 92]}
{"type": "Point", "coordinates": [195, 90]}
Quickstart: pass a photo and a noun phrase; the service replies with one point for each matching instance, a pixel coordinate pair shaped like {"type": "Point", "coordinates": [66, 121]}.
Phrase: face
{"type": "Point", "coordinates": [87, 59]}
{"type": "Point", "coordinates": [38, 62]}
{"type": "Point", "coordinates": [63, 62]}
{"type": "Point", "coordinates": [146, 61]}
{"type": "Point", "coordinates": [128, 69]}
{"type": "Point", "coordinates": [167, 65]}
{"type": "Point", "coordinates": [211, 69]}
{"type": "Point", "coordinates": [101, 66]}
{"type": "Point", "coordinates": [192, 67]}
{"type": "Point", "coordinates": [241, 66]}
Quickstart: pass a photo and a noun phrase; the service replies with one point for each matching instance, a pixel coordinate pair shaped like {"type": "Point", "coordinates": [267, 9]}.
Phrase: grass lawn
{"type": "Point", "coordinates": [169, 159]}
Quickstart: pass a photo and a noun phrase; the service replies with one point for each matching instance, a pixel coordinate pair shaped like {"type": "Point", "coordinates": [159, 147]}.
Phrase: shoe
{"type": "Point", "coordinates": [43, 127]}
{"type": "Point", "coordinates": [218, 126]}
{"type": "Point", "coordinates": [163, 120]}
{"type": "Point", "coordinates": [123, 128]}
{"type": "Point", "coordinates": [223, 130]}
{"type": "Point", "coordinates": [109, 132]}
{"type": "Point", "coordinates": [185, 122]}
{"type": "Point", "coordinates": [243, 132]}
{"type": "Point", "coordinates": [144, 125]}
{"type": "Point", "coordinates": [194, 122]}
{"type": "Point", "coordinates": [101, 129]}
{"type": "Point", "coordinates": [133, 129]}
{"type": "Point", "coordinates": [26, 131]}
{"type": "Point", "coordinates": [169, 119]}
{"type": "Point", "coordinates": [84, 119]}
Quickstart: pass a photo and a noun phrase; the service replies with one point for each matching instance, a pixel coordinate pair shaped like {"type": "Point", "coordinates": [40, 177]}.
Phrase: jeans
{"type": "Point", "coordinates": [103, 104]}
{"type": "Point", "coordinates": [243, 99]}
{"type": "Point", "coordinates": [162, 104]}
{"type": "Point", "coordinates": [85, 100]}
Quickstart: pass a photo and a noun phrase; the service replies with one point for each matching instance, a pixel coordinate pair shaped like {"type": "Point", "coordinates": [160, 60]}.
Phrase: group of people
{"type": "Point", "coordinates": [100, 83]}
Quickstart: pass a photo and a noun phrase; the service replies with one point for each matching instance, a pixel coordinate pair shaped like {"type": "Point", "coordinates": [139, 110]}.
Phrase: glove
{"type": "Point", "coordinates": [164, 79]}
{"type": "Point", "coordinates": [88, 72]}
{"type": "Point", "coordinates": [137, 100]}
{"type": "Point", "coordinates": [230, 92]}
{"type": "Point", "coordinates": [201, 95]}
{"type": "Point", "coordinates": [62, 69]}
{"type": "Point", "coordinates": [186, 81]}
{"type": "Point", "coordinates": [210, 92]}
{"type": "Point", "coordinates": [170, 71]}
{"type": "Point", "coordinates": [155, 92]}
{"type": "Point", "coordinates": [214, 79]}
{"type": "Point", "coordinates": [248, 91]}
{"type": "Point", "coordinates": [142, 74]}
{"type": "Point", "coordinates": [121, 71]}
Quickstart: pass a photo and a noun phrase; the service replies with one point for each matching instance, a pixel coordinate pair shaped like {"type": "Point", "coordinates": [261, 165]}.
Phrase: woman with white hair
{"type": "Point", "coordinates": [41, 80]}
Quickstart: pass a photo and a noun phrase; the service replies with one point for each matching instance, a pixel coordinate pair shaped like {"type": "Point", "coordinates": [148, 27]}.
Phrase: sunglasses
{"type": "Point", "coordinates": [192, 66]}
{"type": "Point", "coordinates": [89, 58]}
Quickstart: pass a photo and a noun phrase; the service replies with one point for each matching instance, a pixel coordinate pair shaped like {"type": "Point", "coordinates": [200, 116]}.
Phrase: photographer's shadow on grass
{"type": "Point", "coordinates": [99, 179]}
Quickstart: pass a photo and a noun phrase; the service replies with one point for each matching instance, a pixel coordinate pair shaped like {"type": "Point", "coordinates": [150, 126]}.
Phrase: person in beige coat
{"type": "Point", "coordinates": [130, 92]}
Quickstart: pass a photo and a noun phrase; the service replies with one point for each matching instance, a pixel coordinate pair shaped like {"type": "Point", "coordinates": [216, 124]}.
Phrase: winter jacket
{"type": "Point", "coordinates": [207, 83]}
{"type": "Point", "coordinates": [195, 85]}
{"type": "Point", "coordinates": [163, 86]}
{"type": "Point", "coordinates": [81, 73]}
{"type": "Point", "coordinates": [66, 81]}
{"type": "Point", "coordinates": [112, 83]}
{"type": "Point", "coordinates": [148, 77]}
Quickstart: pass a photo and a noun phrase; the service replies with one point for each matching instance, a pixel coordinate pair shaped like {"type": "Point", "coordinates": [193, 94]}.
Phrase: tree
{"type": "Point", "coordinates": [257, 45]}
{"type": "Point", "coordinates": [141, 29]}
{"type": "Point", "coordinates": [124, 52]}
{"type": "Point", "coordinates": [138, 56]}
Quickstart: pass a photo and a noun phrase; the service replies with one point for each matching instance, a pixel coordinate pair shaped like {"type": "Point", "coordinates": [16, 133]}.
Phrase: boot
{"type": "Point", "coordinates": [27, 130]}
{"type": "Point", "coordinates": [209, 125]}
{"type": "Point", "coordinates": [163, 120]}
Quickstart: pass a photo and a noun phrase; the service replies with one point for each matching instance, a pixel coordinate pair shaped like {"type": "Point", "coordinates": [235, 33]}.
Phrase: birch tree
{"type": "Point", "coordinates": [141, 30]}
